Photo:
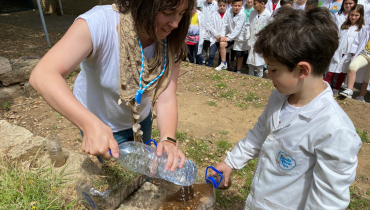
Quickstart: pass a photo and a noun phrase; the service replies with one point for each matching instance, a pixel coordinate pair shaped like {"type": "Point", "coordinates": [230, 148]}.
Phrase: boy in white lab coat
{"type": "Point", "coordinates": [258, 19]}
{"type": "Point", "coordinates": [215, 26]}
{"type": "Point", "coordinates": [305, 143]}
{"type": "Point", "coordinates": [232, 31]}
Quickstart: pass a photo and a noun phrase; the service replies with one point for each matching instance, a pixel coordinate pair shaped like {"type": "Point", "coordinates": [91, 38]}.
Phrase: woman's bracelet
{"type": "Point", "coordinates": [171, 140]}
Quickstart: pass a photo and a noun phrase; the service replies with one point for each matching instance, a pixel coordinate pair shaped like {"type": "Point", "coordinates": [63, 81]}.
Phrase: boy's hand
{"type": "Point", "coordinates": [224, 39]}
{"type": "Point", "coordinates": [225, 170]}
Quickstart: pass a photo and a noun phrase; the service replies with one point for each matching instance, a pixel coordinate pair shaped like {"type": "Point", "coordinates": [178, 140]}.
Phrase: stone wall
{"type": "Point", "coordinates": [14, 78]}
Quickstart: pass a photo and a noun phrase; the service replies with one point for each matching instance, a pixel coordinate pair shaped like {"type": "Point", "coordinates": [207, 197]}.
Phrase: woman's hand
{"type": "Point", "coordinates": [98, 139]}
{"type": "Point", "coordinates": [225, 170]}
{"type": "Point", "coordinates": [173, 155]}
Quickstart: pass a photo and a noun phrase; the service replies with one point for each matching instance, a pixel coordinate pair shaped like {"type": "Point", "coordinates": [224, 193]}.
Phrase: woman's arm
{"type": "Point", "coordinates": [167, 121]}
{"type": "Point", "coordinates": [48, 79]}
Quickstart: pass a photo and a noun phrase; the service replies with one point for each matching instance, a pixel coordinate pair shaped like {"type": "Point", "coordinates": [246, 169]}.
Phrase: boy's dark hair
{"type": "Point", "coordinates": [237, 1]}
{"type": "Point", "coordinates": [312, 2]}
{"type": "Point", "coordinates": [294, 36]}
{"type": "Point", "coordinates": [285, 2]}
{"type": "Point", "coordinates": [342, 7]}
{"type": "Point", "coordinates": [144, 12]}
{"type": "Point", "coordinates": [262, 1]}
{"type": "Point", "coordinates": [224, 1]}
{"type": "Point", "coordinates": [360, 22]}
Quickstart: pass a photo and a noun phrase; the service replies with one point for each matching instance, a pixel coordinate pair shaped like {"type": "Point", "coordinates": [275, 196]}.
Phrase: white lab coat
{"type": "Point", "coordinates": [215, 27]}
{"type": "Point", "coordinates": [308, 161]}
{"type": "Point", "coordinates": [328, 4]}
{"type": "Point", "coordinates": [360, 41]}
{"type": "Point", "coordinates": [301, 7]}
{"type": "Point", "coordinates": [340, 63]}
{"type": "Point", "coordinates": [339, 19]}
{"type": "Point", "coordinates": [208, 10]}
{"type": "Point", "coordinates": [252, 27]}
{"type": "Point", "coordinates": [233, 29]}
{"type": "Point", "coordinates": [269, 6]}
{"type": "Point", "coordinates": [201, 31]}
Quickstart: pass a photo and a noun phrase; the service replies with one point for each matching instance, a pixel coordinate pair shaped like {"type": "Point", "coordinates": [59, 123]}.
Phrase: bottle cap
{"type": "Point", "coordinates": [211, 179]}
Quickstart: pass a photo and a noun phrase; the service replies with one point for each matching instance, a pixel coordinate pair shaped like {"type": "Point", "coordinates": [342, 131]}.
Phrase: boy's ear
{"type": "Point", "coordinates": [305, 69]}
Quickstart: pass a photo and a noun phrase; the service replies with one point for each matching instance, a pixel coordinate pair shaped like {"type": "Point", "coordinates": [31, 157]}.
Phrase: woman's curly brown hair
{"type": "Point", "coordinates": [144, 13]}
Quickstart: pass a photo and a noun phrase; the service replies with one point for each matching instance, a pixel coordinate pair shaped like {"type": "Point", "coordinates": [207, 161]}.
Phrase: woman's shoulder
{"type": "Point", "coordinates": [99, 12]}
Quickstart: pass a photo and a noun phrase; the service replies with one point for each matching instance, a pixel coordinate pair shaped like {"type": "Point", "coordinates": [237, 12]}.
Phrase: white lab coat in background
{"type": "Point", "coordinates": [252, 27]}
{"type": "Point", "coordinates": [233, 29]}
{"type": "Point", "coordinates": [215, 26]}
{"type": "Point", "coordinates": [339, 19]}
{"type": "Point", "coordinates": [208, 10]}
{"type": "Point", "coordinates": [308, 161]}
{"type": "Point", "coordinates": [360, 42]}
{"type": "Point", "coordinates": [269, 6]}
{"type": "Point", "coordinates": [340, 63]}
{"type": "Point", "coordinates": [201, 31]}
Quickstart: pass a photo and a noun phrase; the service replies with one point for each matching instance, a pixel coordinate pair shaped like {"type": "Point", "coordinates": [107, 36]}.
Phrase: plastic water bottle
{"type": "Point", "coordinates": [218, 180]}
{"type": "Point", "coordinates": [55, 150]}
{"type": "Point", "coordinates": [143, 159]}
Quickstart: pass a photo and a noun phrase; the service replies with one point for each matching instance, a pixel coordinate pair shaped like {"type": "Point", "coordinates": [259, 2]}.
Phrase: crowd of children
{"type": "Point", "coordinates": [234, 25]}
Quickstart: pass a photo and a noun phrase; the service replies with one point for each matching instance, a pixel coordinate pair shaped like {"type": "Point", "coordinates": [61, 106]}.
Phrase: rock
{"type": "Point", "coordinates": [8, 94]}
{"type": "Point", "coordinates": [28, 89]}
{"type": "Point", "coordinates": [147, 197]}
{"type": "Point", "coordinates": [17, 141]}
{"type": "Point", "coordinates": [4, 65]}
{"type": "Point", "coordinates": [20, 72]}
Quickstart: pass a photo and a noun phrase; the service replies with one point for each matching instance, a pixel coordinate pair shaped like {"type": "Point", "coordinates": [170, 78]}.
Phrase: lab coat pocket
{"type": "Point", "coordinates": [268, 205]}
{"type": "Point", "coordinates": [288, 162]}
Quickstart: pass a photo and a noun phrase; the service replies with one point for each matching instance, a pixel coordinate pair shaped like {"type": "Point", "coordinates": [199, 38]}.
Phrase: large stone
{"type": "Point", "coordinates": [16, 141]}
{"type": "Point", "coordinates": [4, 65]}
{"type": "Point", "coordinates": [8, 94]}
{"type": "Point", "coordinates": [20, 72]}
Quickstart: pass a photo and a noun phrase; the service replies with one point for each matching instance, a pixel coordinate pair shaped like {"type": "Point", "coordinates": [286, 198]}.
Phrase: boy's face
{"type": "Point", "coordinates": [285, 81]}
{"type": "Point", "coordinates": [250, 3]}
{"type": "Point", "coordinates": [288, 5]}
{"type": "Point", "coordinates": [221, 7]}
{"type": "Point", "coordinates": [237, 6]}
{"type": "Point", "coordinates": [209, 1]}
{"type": "Point", "coordinates": [257, 5]}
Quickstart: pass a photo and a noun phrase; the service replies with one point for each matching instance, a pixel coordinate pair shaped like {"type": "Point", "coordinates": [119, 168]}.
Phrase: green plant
{"type": "Point", "coordinates": [79, 139]}
{"type": "Point", "coordinates": [357, 201]}
{"type": "Point", "coordinates": [363, 136]}
{"type": "Point", "coordinates": [251, 96]}
{"type": "Point", "coordinates": [181, 136]}
{"type": "Point", "coordinates": [211, 103]}
{"type": "Point", "coordinates": [229, 94]}
{"type": "Point", "coordinates": [241, 105]}
{"type": "Point", "coordinates": [34, 188]}
{"type": "Point", "coordinates": [5, 106]}
{"type": "Point", "coordinates": [155, 134]}
{"type": "Point", "coordinates": [224, 132]}
{"type": "Point", "coordinates": [221, 85]}
{"type": "Point", "coordinates": [216, 77]}
{"type": "Point", "coordinates": [223, 146]}
{"type": "Point", "coordinates": [243, 84]}
{"type": "Point", "coordinates": [246, 174]}
{"type": "Point", "coordinates": [54, 127]}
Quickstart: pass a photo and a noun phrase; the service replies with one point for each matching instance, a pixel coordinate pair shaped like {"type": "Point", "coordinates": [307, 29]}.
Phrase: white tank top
{"type": "Point", "coordinates": [96, 86]}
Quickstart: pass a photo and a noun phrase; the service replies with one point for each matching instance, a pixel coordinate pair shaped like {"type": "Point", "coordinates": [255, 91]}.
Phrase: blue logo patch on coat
{"type": "Point", "coordinates": [286, 162]}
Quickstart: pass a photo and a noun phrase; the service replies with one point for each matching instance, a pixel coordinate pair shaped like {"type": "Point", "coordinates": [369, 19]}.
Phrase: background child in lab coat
{"type": "Point", "coordinates": [215, 27]}
{"type": "Point", "coordinates": [342, 14]}
{"type": "Point", "coordinates": [284, 3]}
{"type": "Point", "coordinates": [232, 30]}
{"type": "Point", "coordinates": [258, 19]}
{"type": "Point", "coordinates": [342, 58]}
{"type": "Point", "coordinates": [305, 143]}
{"type": "Point", "coordinates": [194, 39]}
{"type": "Point", "coordinates": [299, 4]}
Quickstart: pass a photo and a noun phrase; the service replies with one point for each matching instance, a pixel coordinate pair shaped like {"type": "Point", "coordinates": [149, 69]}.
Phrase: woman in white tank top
{"type": "Point", "coordinates": [95, 106]}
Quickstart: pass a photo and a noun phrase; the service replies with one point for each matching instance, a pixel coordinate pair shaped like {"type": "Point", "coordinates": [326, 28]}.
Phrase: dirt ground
{"type": "Point", "coordinates": [209, 103]}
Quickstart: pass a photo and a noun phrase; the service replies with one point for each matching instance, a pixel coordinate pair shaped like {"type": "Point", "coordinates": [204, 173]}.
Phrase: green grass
{"type": "Point", "coordinates": [229, 94]}
{"type": "Point", "coordinates": [35, 188]}
{"type": "Point", "coordinates": [241, 105]}
{"type": "Point", "coordinates": [224, 132]}
{"type": "Point", "coordinates": [221, 85]}
{"type": "Point", "coordinates": [223, 146]}
{"type": "Point", "coordinates": [363, 136]}
{"type": "Point", "coordinates": [251, 96]}
{"type": "Point", "coordinates": [357, 201]}
{"type": "Point", "coordinates": [246, 174]}
{"type": "Point", "coordinates": [216, 77]}
{"type": "Point", "coordinates": [5, 106]}
{"type": "Point", "coordinates": [211, 103]}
